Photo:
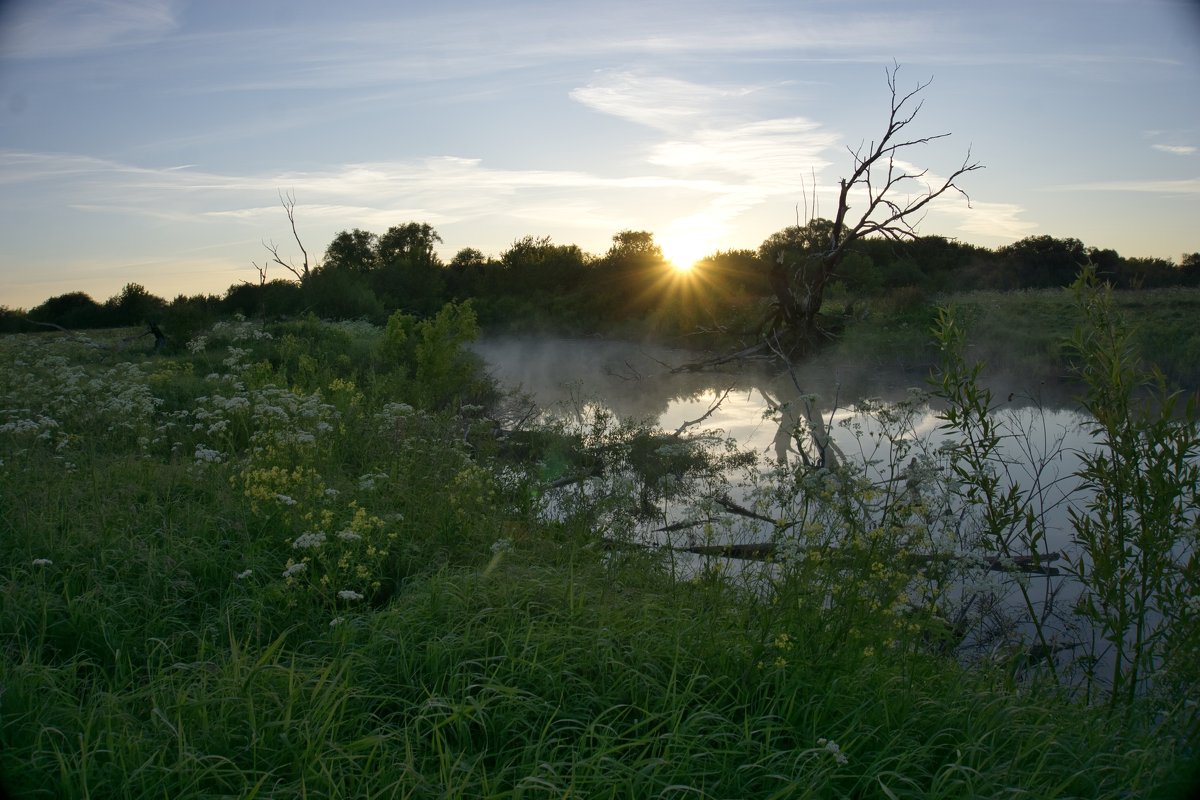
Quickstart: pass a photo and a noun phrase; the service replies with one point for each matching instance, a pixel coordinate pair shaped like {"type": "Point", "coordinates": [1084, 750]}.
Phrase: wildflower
{"type": "Point", "coordinates": [502, 546]}
{"type": "Point", "coordinates": [349, 536]}
{"type": "Point", "coordinates": [286, 500]}
{"type": "Point", "coordinates": [367, 482]}
{"type": "Point", "coordinates": [241, 576]}
{"type": "Point", "coordinates": [43, 562]}
{"type": "Point", "coordinates": [310, 539]}
{"type": "Point", "coordinates": [294, 569]}
{"type": "Point", "coordinates": [207, 455]}
{"type": "Point", "coordinates": [868, 651]}
{"type": "Point", "coordinates": [832, 747]}
{"type": "Point", "coordinates": [349, 594]}
{"type": "Point", "coordinates": [333, 623]}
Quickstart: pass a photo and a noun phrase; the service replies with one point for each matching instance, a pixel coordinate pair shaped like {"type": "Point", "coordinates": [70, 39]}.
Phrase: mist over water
{"type": "Point", "coordinates": [635, 382]}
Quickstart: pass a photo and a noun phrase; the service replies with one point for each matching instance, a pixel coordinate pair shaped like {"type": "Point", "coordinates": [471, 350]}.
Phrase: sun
{"type": "Point", "coordinates": [683, 252]}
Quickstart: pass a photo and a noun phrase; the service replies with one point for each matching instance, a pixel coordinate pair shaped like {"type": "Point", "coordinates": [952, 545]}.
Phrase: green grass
{"type": "Point", "coordinates": [139, 664]}
{"type": "Point", "coordinates": [1023, 331]}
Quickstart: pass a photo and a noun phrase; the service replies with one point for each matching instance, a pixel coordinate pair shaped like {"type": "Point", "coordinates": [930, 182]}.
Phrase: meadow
{"type": "Point", "coordinates": [310, 559]}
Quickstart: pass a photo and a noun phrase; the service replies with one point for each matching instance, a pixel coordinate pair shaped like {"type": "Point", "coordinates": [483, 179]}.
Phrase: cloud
{"type": "Point", "coordinates": [715, 132]}
{"type": "Point", "coordinates": [998, 220]}
{"type": "Point", "coordinates": [1180, 186]}
{"type": "Point", "coordinates": [658, 102]}
{"type": "Point", "coordinates": [775, 155]}
{"type": "Point", "coordinates": [374, 195]}
{"type": "Point", "coordinates": [70, 27]}
{"type": "Point", "coordinates": [1175, 149]}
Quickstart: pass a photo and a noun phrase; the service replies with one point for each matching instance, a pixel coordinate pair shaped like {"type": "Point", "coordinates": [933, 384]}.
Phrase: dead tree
{"type": "Point", "coordinates": [878, 173]}
{"type": "Point", "coordinates": [792, 327]}
{"type": "Point", "coordinates": [302, 272]}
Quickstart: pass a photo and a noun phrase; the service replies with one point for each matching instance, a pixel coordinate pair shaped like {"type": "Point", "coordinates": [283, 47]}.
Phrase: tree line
{"type": "Point", "coordinates": [537, 284]}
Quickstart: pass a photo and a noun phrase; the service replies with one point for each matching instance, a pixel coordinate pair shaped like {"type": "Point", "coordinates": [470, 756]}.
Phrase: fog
{"type": "Point", "coordinates": [636, 381]}
{"type": "Point", "coordinates": [1043, 433]}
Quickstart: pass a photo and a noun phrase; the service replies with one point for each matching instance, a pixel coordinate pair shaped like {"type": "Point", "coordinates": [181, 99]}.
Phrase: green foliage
{"type": "Point", "coordinates": [133, 306]}
{"type": "Point", "coordinates": [342, 294]}
{"type": "Point", "coordinates": [433, 352]}
{"type": "Point", "coordinates": [457, 628]}
{"type": "Point", "coordinates": [1010, 519]}
{"type": "Point", "coordinates": [1134, 524]}
{"type": "Point", "coordinates": [352, 251]}
{"type": "Point", "coordinates": [74, 310]}
{"type": "Point", "coordinates": [1138, 531]}
{"type": "Point", "coordinates": [628, 281]}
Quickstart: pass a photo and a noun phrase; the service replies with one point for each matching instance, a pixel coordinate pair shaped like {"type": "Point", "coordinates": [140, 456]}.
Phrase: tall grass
{"type": "Point", "coordinates": [445, 637]}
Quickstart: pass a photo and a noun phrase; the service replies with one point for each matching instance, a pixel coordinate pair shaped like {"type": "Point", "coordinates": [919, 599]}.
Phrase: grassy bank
{"type": "Point", "coordinates": [295, 561]}
{"type": "Point", "coordinates": [1023, 332]}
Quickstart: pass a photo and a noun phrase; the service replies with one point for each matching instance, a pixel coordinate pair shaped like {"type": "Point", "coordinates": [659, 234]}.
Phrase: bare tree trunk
{"type": "Point", "coordinates": [302, 272]}
{"type": "Point", "coordinates": [800, 286]}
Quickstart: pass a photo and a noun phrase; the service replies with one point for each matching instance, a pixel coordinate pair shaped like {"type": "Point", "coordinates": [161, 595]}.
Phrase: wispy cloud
{"type": "Point", "coordinates": [1180, 186]}
{"type": "Point", "coordinates": [659, 102]}
{"type": "Point", "coordinates": [437, 190]}
{"type": "Point", "coordinates": [1175, 149]}
{"type": "Point", "coordinates": [71, 27]}
{"type": "Point", "coordinates": [716, 132]}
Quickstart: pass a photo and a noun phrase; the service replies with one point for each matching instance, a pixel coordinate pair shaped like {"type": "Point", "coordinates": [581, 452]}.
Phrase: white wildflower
{"type": "Point", "coordinates": [502, 546]}
{"type": "Point", "coordinates": [367, 482]}
{"type": "Point", "coordinates": [333, 623]}
{"type": "Point", "coordinates": [349, 594]}
{"type": "Point", "coordinates": [43, 562]}
{"type": "Point", "coordinates": [246, 573]}
{"type": "Point", "coordinates": [285, 499]}
{"type": "Point", "coordinates": [349, 535]}
{"type": "Point", "coordinates": [294, 569]}
{"type": "Point", "coordinates": [206, 455]}
{"type": "Point", "coordinates": [310, 539]}
{"type": "Point", "coordinates": [832, 748]}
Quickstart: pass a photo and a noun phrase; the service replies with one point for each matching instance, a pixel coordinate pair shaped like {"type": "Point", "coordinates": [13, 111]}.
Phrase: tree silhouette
{"type": "Point", "coordinates": [801, 273]}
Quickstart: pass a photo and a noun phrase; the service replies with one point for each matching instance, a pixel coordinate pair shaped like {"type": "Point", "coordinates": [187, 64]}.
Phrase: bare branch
{"type": "Point", "coordinates": [301, 273]}
{"type": "Point", "coordinates": [289, 205]}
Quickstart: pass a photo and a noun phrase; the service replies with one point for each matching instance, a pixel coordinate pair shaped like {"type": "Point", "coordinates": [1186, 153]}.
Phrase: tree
{"type": "Point", "coordinates": [535, 265]}
{"type": "Point", "coordinates": [409, 274]}
{"type": "Point", "coordinates": [1189, 269]}
{"type": "Point", "coordinates": [1044, 261]}
{"type": "Point", "coordinates": [467, 258]}
{"type": "Point", "coordinates": [629, 279]}
{"type": "Point", "coordinates": [72, 310]}
{"type": "Point", "coordinates": [134, 306]}
{"type": "Point", "coordinates": [301, 272]}
{"type": "Point", "coordinates": [467, 273]}
{"type": "Point", "coordinates": [353, 251]}
{"type": "Point", "coordinates": [408, 245]}
{"type": "Point", "coordinates": [802, 269]}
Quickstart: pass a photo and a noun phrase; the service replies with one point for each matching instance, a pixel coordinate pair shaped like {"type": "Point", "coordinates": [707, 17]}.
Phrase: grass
{"type": "Point", "coordinates": [494, 653]}
{"type": "Point", "coordinates": [1023, 332]}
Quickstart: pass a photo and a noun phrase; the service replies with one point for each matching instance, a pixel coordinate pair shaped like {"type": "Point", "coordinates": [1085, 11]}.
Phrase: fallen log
{"type": "Point", "coordinates": [765, 551]}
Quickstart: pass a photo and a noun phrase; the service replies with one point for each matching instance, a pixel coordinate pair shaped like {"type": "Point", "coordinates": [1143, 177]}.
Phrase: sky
{"type": "Point", "coordinates": [149, 141]}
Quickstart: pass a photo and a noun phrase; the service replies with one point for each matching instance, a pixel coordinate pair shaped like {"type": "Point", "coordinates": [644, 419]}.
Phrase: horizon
{"type": "Point", "coordinates": [147, 141]}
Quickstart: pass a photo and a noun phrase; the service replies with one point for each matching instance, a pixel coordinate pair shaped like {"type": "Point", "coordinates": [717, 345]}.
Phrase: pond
{"type": "Point", "coordinates": [636, 382]}
{"type": "Point", "coordinates": [879, 420]}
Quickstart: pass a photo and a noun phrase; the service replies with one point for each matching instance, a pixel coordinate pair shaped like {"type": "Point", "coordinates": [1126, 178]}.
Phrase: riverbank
{"type": "Point", "coordinates": [1025, 332]}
